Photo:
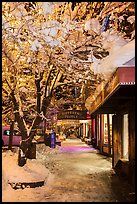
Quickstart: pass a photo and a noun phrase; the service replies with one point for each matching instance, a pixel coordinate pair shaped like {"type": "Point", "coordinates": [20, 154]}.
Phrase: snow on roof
{"type": "Point", "coordinates": [131, 62]}
{"type": "Point", "coordinates": [116, 59]}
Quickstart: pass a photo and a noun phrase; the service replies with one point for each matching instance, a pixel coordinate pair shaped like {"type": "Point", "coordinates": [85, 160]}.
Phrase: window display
{"type": "Point", "coordinates": [106, 129]}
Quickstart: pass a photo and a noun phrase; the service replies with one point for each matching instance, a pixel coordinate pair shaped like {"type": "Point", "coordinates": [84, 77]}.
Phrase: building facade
{"type": "Point", "coordinates": [113, 115]}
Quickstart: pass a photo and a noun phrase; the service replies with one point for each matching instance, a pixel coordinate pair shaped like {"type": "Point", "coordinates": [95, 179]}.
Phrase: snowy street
{"type": "Point", "coordinates": [68, 102]}
{"type": "Point", "coordinates": [78, 173]}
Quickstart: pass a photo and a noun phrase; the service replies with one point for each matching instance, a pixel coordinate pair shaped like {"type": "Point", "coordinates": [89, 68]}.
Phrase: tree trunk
{"type": "Point", "coordinates": [18, 117]}
{"type": "Point", "coordinates": [11, 135]}
{"type": "Point", "coordinates": [44, 131]}
{"type": "Point", "coordinates": [21, 125]}
{"type": "Point", "coordinates": [21, 158]}
{"type": "Point", "coordinates": [28, 147]}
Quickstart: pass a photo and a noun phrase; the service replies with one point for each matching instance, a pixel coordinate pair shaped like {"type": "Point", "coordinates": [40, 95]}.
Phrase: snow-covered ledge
{"type": "Point", "coordinates": [116, 59]}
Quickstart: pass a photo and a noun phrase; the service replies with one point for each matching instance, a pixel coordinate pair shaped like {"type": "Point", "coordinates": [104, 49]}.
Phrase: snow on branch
{"type": "Point", "coordinates": [108, 65]}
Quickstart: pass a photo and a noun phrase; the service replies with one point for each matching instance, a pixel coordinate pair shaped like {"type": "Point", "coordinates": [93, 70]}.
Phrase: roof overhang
{"type": "Point", "coordinates": [119, 90]}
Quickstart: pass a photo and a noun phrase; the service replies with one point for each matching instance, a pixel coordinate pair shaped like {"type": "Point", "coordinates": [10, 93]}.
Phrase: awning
{"type": "Point", "coordinates": [119, 90]}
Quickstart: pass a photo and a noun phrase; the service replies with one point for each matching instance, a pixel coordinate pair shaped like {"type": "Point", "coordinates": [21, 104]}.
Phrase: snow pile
{"type": "Point", "coordinates": [111, 41]}
{"type": "Point", "coordinates": [45, 153]}
{"type": "Point", "coordinates": [32, 171]}
{"type": "Point", "coordinates": [43, 149]}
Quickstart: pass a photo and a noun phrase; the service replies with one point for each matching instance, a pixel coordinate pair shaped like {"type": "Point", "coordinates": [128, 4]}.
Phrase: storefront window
{"type": "Point", "coordinates": [125, 137]}
{"type": "Point", "coordinates": [105, 129]}
{"type": "Point", "coordinates": [110, 128]}
{"type": "Point", "coordinates": [98, 129]}
{"type": "Point", "coordinates": [106, 133]}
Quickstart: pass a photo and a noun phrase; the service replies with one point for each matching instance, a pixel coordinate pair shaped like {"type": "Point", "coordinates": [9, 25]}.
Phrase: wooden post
{"type": "Point", "coordinates": [101, 132]}
{"type": "Point", "coordinates": [108, 126]}
{"type": "Point", "coordinates": [116, 138]}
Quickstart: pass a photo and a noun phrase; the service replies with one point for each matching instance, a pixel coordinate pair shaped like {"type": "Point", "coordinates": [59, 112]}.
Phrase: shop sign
{"type": "Point", "coordinates": [97, 102]}
{"type": "Point", "coordinates": [72, 114]}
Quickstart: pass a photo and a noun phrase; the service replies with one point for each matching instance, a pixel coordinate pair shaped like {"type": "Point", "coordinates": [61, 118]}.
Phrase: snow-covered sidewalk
{"type": "Point", "coordinates": [31, 172]}
{"type": "Point", "coordinates": [75, 173]}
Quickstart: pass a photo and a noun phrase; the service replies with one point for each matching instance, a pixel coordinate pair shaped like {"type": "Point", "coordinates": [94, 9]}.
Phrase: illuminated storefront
{"type": "Point", "coordinates": [75, 121]}
{"type": "Point", "coordinates": [114, 116]}
{"type": "Point", "coordinates": [102, 133]}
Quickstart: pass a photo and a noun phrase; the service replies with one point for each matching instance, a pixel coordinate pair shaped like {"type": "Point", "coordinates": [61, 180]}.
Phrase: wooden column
{"type": "Point", "coordinates": [101, 132]}
{"type": "Point", "coordinates": [96, 131]}
{"type": "Point", "coordinates": [131, 119]}
{"type": "Point", "coordinates": [108, 125]}
{"type": "Point", "coordinates": [116, 138]}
